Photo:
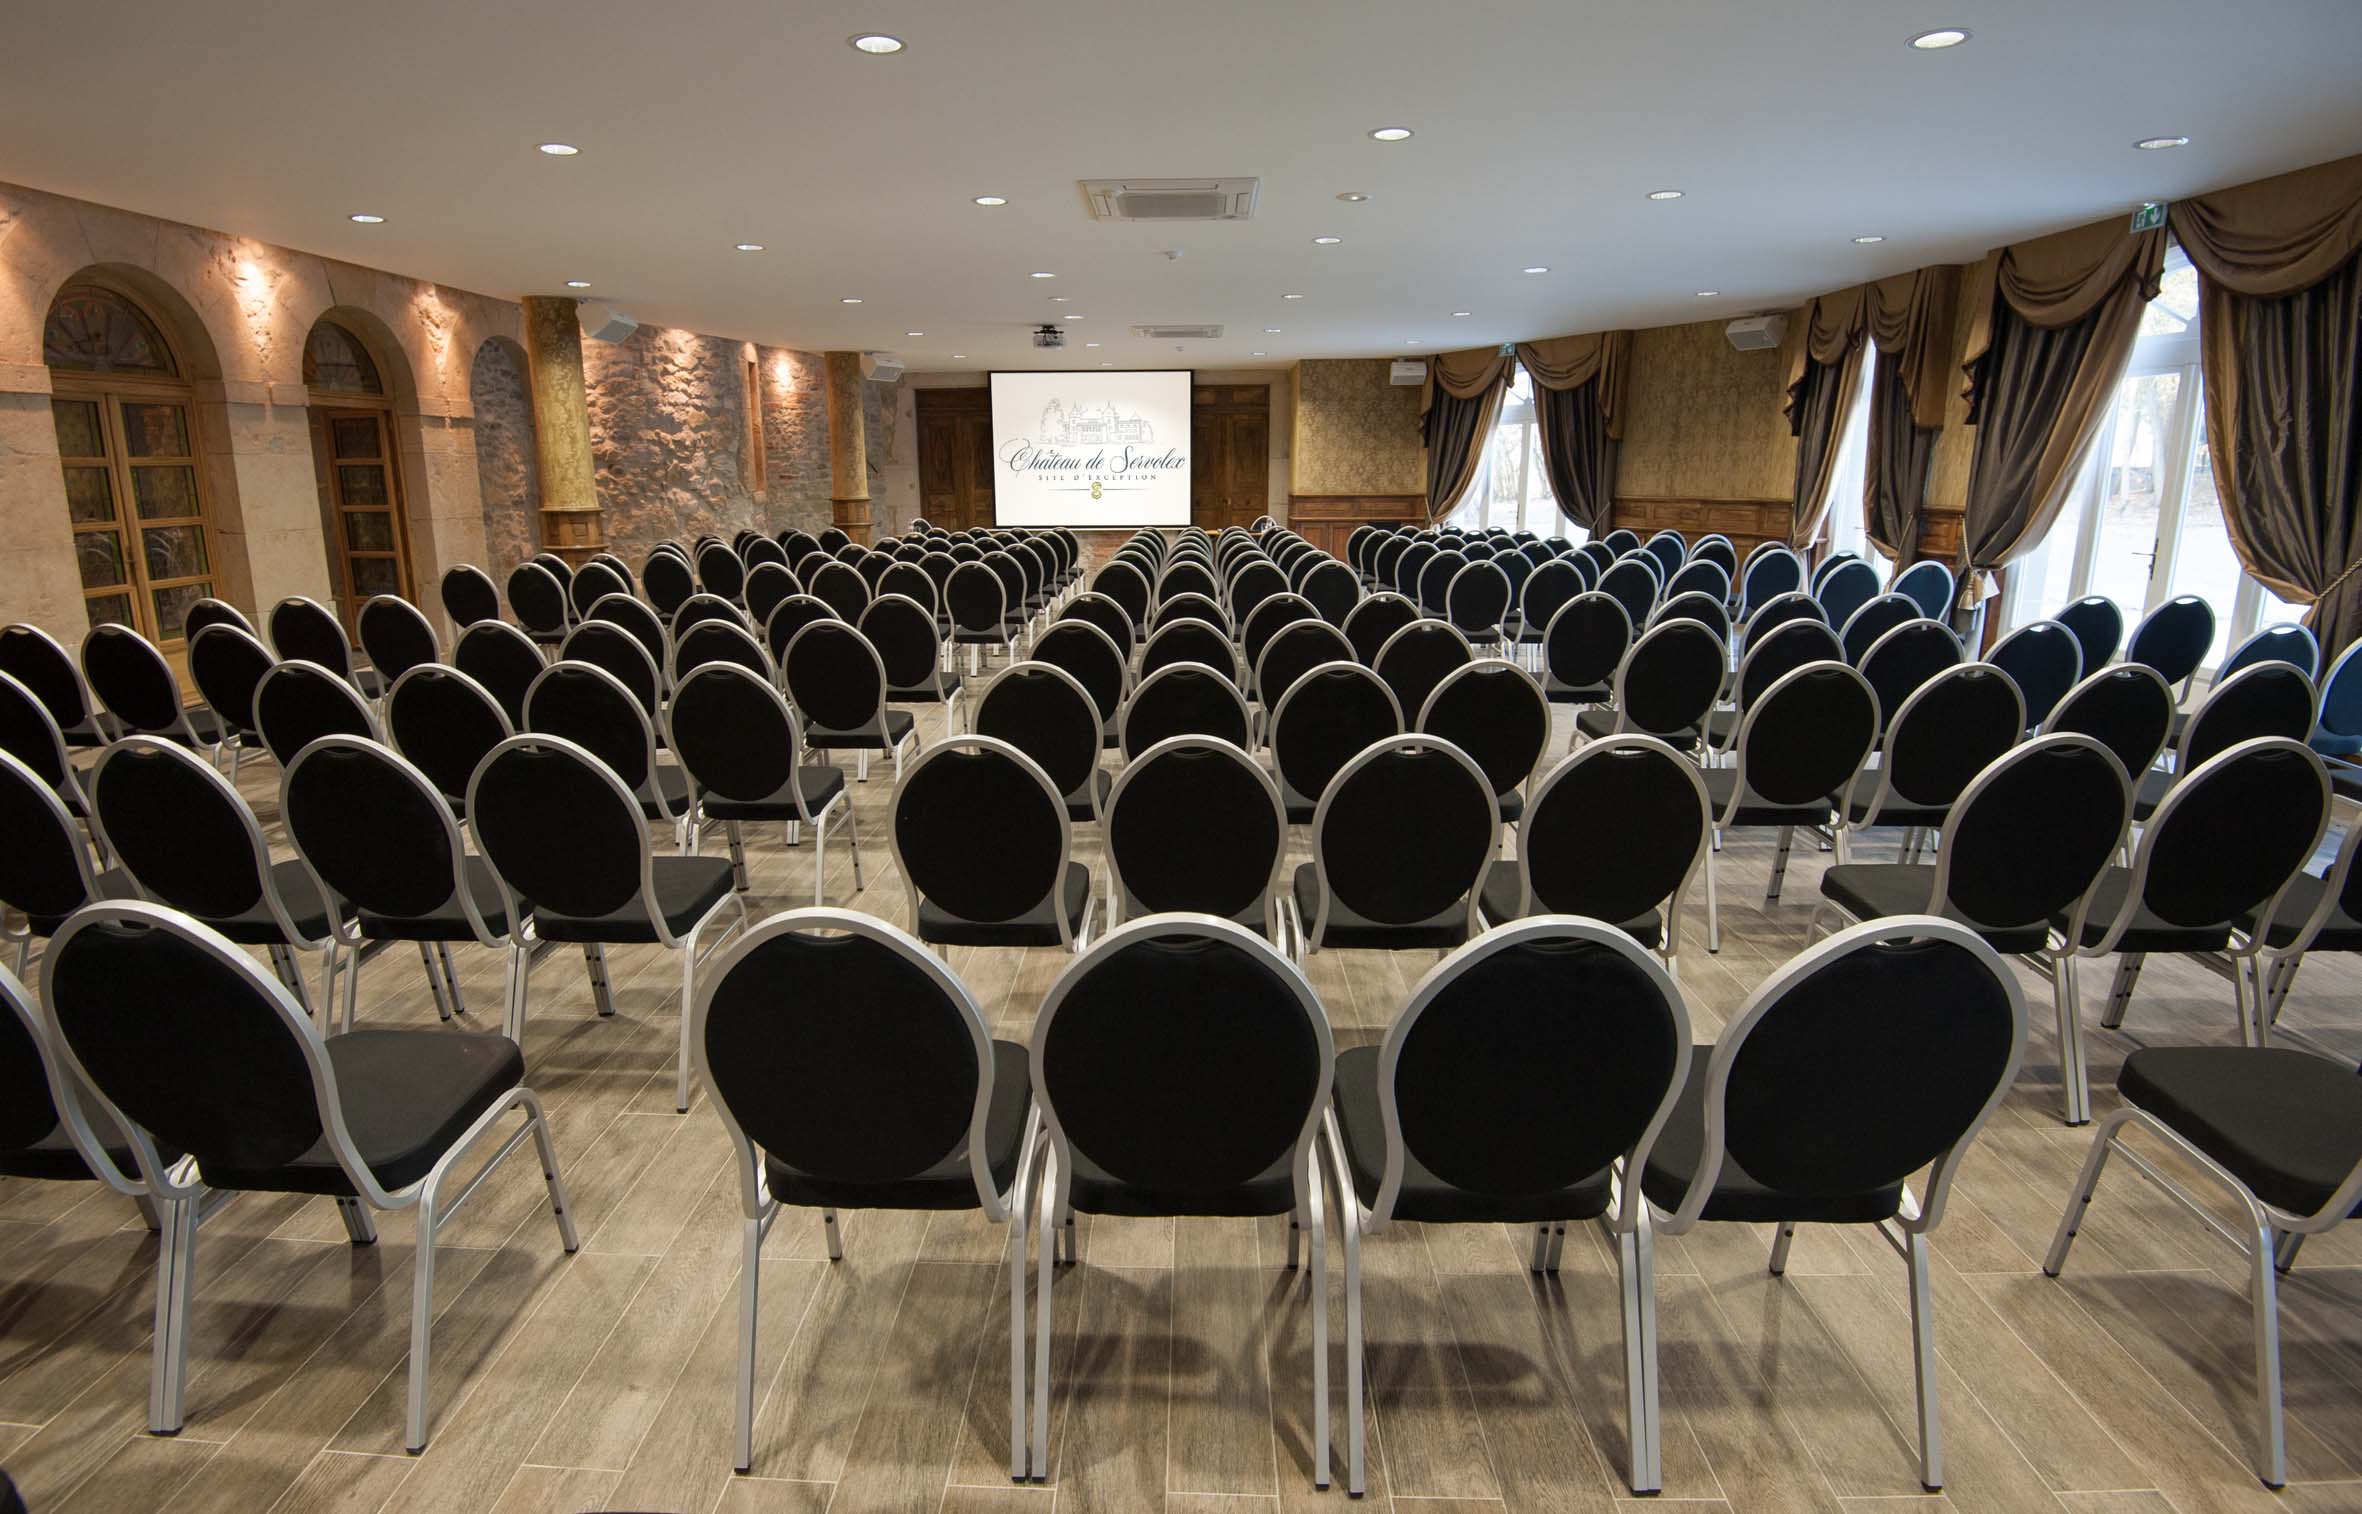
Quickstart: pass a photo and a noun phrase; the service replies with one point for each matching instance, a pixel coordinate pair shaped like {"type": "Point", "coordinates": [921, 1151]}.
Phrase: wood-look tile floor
{"type": "Point", "coordinates": [604, 1380]}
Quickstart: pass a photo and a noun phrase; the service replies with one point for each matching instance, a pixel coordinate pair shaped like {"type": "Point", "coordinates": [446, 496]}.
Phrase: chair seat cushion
{"type": "Point", "coordinates": [1423, 1196]}
{"type": "Point", "coordinates": [1512, 806]}
{"type": "Point", "coordinates": [948, 1184]}
{"type": "Point", "coordinates": [899, 724]}
{"type": "Point", "coordinates": [54, 1158]}
{"type": "Point", "coordinates": [1722, 783]}
{"type": "Point", "coordinates": [2150, 792]}
{"type": "Point", "coordinates": [1680, 1151]}
{"type": "Point", "coordinates": [407, 1095]}
{"type": "Point", "coordinates": [1502, 893]}
{"type": "Point", "coordinates": [2286, 1123]}
{"type": "Point", "coordinates": [306, 910]}
{"type": "Point", "coordinates": [2147, 933]}
{"type": "Point", "coordinates": [84, 733]}
{"type": "Point", "coordinates": [671, 794]}
{"type": "Point", "coordinates": [449, 923]}
{"type": "Point", "coordinates": [1438, 932]}
{"type": "Point", "coordinates": [1036, 927]}
{"type": "Point", "coordinates": [818, 785]}
{"type": "Point", "coordinates": [2340, 933]}
{"type": "Point", "coordinates": [114, 883]}
{"type": "Point", "coordinates": [1879, 890]}
{"type": "Point", "coordinates": [1094, 1191]}
{"type": "Point", "coordinates": [1089, 801]}
{"type": "Point", "coordinates": [1895, 812]}
{"type": "Point", "coordinates": [1567, 693]}
{"type": "Point", "coordinates": [687, 890]}
{"type": "Point", "coordinates": [927, 695]}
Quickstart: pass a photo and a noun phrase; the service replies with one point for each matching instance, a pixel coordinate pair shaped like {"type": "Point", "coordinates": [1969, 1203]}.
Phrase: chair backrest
{"type": "Point", "coordinates": [1256, 582]}
{"type": "Point", "coordinates": [614, 650]}
{"type": "Point", "coordinates": [788, 617]}
{"type": "Point", "coordinates": [669, 581]}
{"type": "Point", "coordinates": [980, 832]}
{"type": "Point", "coordinates": [1880, 1051]}
{"type": "Point", "coordinates": [1621, 540]}
{"type": "Point", "coordinates": [976, 599]}
{"type": "Point", "coordinates": [1493, 710]}
{"type": "Point", "coordinates": [2031, 833]}
{"type": "Point", "coordinates": [186, 837]}
{"type": "Point", "coordinates": [2127, 707]}
{"type": "Point", "coordinates": [1770, 572]}
{"type": "Point", "coordinates": [903, 631]}
{"type": "Point", "coordinates": [1196, 824]}
{"type": "Point", "coordinates": [1706, 609]}
{"type": "Point", "coordinates": [908, 580]}
{"type": "Point", "coordinates": [226, 664]}
{"type": "Point", "coordinates": [1805, 739]}
{"type": "Point", "coordinates": [2290, 643]}
{"type": "Point", "coordinates": [558, 827]}
{"type": "Point", "coordinates": [1418, 657]}
{"type": "Point", "coordinates": [835, 679]}
{"type": "Point", "coordinates": [1613, 832]}
{"type": "Point", "coordinates": [397, 636]}
{"type": "Point", "coordinates": [445, 722]}
{"type": "Point", "coordinates": [1904, 659]}
{"type": "Point", "coordinates": [469, 595]}
{"type": "Point", "coordinates": [1846, 587]}
{"type": "Point", "coordinates": [1547, 590]}
{"type": "Point", "coordinates": [733, 733]}
{"type": "Point", "coordinates": [1123, 582]}
{"type": "Point", "coordinates": [1477, 599]}
{"type": "Point", "coordinates": [1374, 621]}
{"type": "Point", "coordinates": [1182, 699]}
{"type": "Point", "coordinates": [1298, 648]}
{"type": "Point", "coordinates": [2227, 837]}
{"type": "Point", "coordinates": [1332, 590]}
{"type": "Point", "coordinates": [1328, 715]}
{"type": "Point", "coordinates": [1668, 549]}
{"type": "Point", "coordinates": [2264, 699]}
{"type": "Point", "coordinates": [767, 583]}
{"type": "Point", "coordinates": [628, 614]}
{"type": "Point", "coordinates": [1529, 1060]}
{"type": "Point", "coordinates": [2174, 638]}
{"type": "Point", "coordinates": [1585, 641]}
{"type": "Point", "coordinates": [1700, 576]}
{"type": "Point", "coordinates": [1266, 620]}
{"type": "Point", "coordinates": [759, 550]}
{"type": "Point", "coordinates": [1927, 584]}
{"type": "Point", "coordinates": [1947, 730]}
{"type": "Point", "coordinates": [1189, 606]}
{"type": "Point", "coordinates": [376, 831]}
{"type": "Point", "coordinates": [298, 702]}
{"type": "Point", "coordinates": [1435, 580]}
{"type": "Point", "coordinates": [720, 571]}
{"type": "Point", "coordinates": [33, 658]}
{"type": "Point", "coordinates": [2341, 695]}
{"type": "Point", "coordinates": [716, 641]}
{"type": "Point", "coordinates": [1670, 679]}
{"type": "Point", "coordinates": [2045, 660]}
{"type": "Point", "coordinates": [594, 581]}
{"type": "Point", "coordinates": [1772, 655]}
{"type": "Point", "coordinates": [1098, 610]}
{"type": "Point", "coordinates": [132, 679]}
{"type": "Point", "coordinates": [1183, 1056]}
{"type": "Point", "coordinates": [1190, 641]}
{"type": "Point", "coordinates": [1632, 584]}
{"type": "Point", "coordinates": [538, 599]}
{"type": "Point", "coordinates": [1719, 551]}
{"type": "Point", "coordinates": [501, 658]}
{"type": "Point", "coordinates": [1411, 564]}
{"type": "Point", "coordinates": [842, 588]}
{"type": "Point", "coordinates": [1860, 630]}
{"type": "Point", "coordinates": [591, 708]}
{"type": "Point", "coordinates": [303, 628]}
{"type": "Point", "coordinates": [1186, 576]}
{"type": "Point", "coordinates": [839, 1046]}
{"type": "Point", "coordinates": [213, 612]}
{"type": "Point", "coordinates": [45, 871]}
{"type": "Point", "coordinates": [1404, 833]}
{"type": "Point", "coordinates": [1045, 712]}
{"type": "Point", "coordinates": [1778, 611]}
{"type": "Point", "coordinates": [1097, 661]}
{"type": "Point", "coordinates": [2098, 628]}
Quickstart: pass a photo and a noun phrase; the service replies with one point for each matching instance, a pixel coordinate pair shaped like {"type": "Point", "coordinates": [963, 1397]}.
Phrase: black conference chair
{"type": "Point", "coordinates": [1045, 712]}
{"type": "Point", "coordinates": [1328, 715]}
{"type": "Point", "coordinates": [622, 656]}
{"type": "Point", "coordinates": [1417, 658]}
{"type": "Point", "coordinates": [1331, 588]}
{"type": "Point", "coordinates": [2222, 846]}
{"type": "Point", "coordinates": [1274, 614]}
{"type": "Point", "coordinates": [1845, 587]}
{"type": "Point", "coordinates": [594, 581]}
{"type": "Point", "coordinates": [1374, 622]}
{"type": "Point", "coordinates": [852, 1070]}
{"type": "Point", "coordinates": [2316, 912]}
{"type": "Point", "coordinates": [1136, 1063]}
{"type": "Point", "coordinates": [788, 617]}
{"type": "Point", "coordinates": [1799, 749]}
{"type": "Point", "coordinates": [1633, 583]}
{"type": "Point", "coordinates": [1096, 660]}
{"type": "Point", "coordinates": [760, 550]}
{"type": "Point", "coordinates": [501, 658]}
{"type": "Point", "coordinates": [226, 664]}
{"type": "Point", "coordinates": [303, 629]}
{"type": "Point", "coordinates": [1703, 577]}
{"type": "Point", "coordinates": [1582, 646]}
{"type": "Point", "coordinates": [2125, 707]}
{"type": "Point", "coordinates": [842, 588]}
{"type": "Point", "coordinates": [981, 615]}
{"type": "Point", "coordinates": [708, 641]}
{"type": "Point", "coordinates": [591, 707]}
{"type": "Point", "coordinates": [1670, 551]}
{"type": "Point", "coordinates": [188, 1045]}
{"type": "Point", "coordinates": [1194, 826]}
{"type": "Point", "coordinates": [1522, 1070]}
{"type": "Point", "coordinates": [2174, 639]}
{"type": "Point", "coordinates": [1124, 582]}
{"type": "Point", "coordinates": [1183, 698]}
{"type": "Point", "coordinates": [1097, 610]}
{"type": "Point", "coordinates": [985, 849]}
{"type": "Point", "coordinates": [52, 1130]}
{"type": "Point", "coordinates": [189, 841]}
{"type": "Point", "coordinates": [1621, 540]}
{"type": "Point", "coordinates": [1665, 686]}
{"type": "Point", "coordinates": [1943, 733]}
{"type": "Point", "coordinates": [1860, 631]}
{"type": "Point", "coordinates": [767, 583]}
{"type": "Point", "coordinates": [444, 723]}
{"type": "Point", "coordinates": [1879, 1052]}
{"type": "Point", "coordinates": [141, 695]}
{"type": "Point", "coordinates": [396, 636]}
{"type": "Point", "coordinates": [838, 684]}
{"type": "Point", "coordinates": [2268, 699]}
{"type": "Point", "coordinates": [1190, 606]}
{"type": "Point", "coordinates": [213, 612]}
{"type": "Point", "coordinates": [45, 870]}
{"type": "Point", "coordinates": [33, 658]}
{"type": "Point", "coordinates": [1493, 710]}
{"type": "Point", "coordinates": [910, 648]}
{"type": "Point", "coordinates": [1401, 841]}
{"type": "Point", "coordinates": [1191, 641]}
{"type": "Point", "coordinates": [560, 828]}
{"type": "Point", "coordinates": [1614, 832]}
{"type": "Point", "coordinates": [1295, 650]}
{"type": "Point", "coordinates": [738, 744]}
{"type": "Point", "coordinates": [1701, 607]}
{"type": "Point", "coordinates": [2045, 661]}
{"type": "Point", "coordinates": [669, 581]}
{"type": "Point", "coordinates": [31, 737]}
{"type": "Point", "coordinates": [298, 702]}
{"type": "Point", "coordinates": [1927, 584]}
{"type": "Point", "coordinates": [1772, 649]}
{"type": "Point", "coordinates": [381, 846]}
{"type": "Point", "coordinates": [720, 571]}
{"type": "Point", "coordinates": [698, 609]}
{"type": "Point", "coordinates": [623, 613]}
{"type": "Point", "coordinates": [539, 600]}
{"type": "Point", "coordinates": [1904, 660]}
{"type": "Point", "coordinates": [2098, 628]}
{"type": "Point", "coordinates": [1546, 591]}
{"type": "Point", "coordinates": [2289, 643]}
{"type": "Point", "coordinates": [1772, 570]}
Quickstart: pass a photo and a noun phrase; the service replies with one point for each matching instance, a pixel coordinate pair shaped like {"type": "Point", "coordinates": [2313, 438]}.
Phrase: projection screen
{"type": "Point", "coordinates": [1091, 449]}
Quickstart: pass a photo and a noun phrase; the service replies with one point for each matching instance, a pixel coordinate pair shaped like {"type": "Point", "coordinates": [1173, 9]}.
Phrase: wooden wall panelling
{"type": "Point", "coordinates": [1326, 520]}
{"type": "Point", "coordinates": [1747, 522]}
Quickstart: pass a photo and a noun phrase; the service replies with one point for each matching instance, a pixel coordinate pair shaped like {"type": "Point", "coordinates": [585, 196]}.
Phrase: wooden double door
{"type": "Point", "coordinates": [1229, 454]}
{"type": "Point", "coordinates": [955, 457]}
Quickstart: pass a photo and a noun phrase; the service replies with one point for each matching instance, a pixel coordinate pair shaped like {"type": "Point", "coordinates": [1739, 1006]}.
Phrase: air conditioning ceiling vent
{"type": "Point", "coordinates": [1178, 333]}
{"type": "Point", "coordinates": [1171, 199]}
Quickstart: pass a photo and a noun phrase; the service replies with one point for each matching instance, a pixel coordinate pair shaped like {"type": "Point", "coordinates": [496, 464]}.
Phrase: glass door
{"type": "Point", "coordinates": [362, 498]}
{"type": "Point", "coordinates": [132, 493]}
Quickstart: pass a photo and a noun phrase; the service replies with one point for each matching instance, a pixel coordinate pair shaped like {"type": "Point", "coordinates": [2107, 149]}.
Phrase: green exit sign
{"type": "Point", "coordinates": [2149, 217]}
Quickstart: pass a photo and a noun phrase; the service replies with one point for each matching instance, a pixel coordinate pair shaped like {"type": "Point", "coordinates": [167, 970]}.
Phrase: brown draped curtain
{"type": "Point", "coordinates": [1462, 404]}
{"type": "Point", "coordinates": [2280, 337]}
{"type": "Point", "coordinates": [1579, 405]}
{"type": "Point", "coordinates": [2049, 333]}
{"type": "Point", "coordinates": [1819, 408]}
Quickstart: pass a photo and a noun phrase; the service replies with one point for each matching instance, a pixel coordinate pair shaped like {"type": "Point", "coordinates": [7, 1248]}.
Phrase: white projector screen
{"type": "Point", "coordinates": [1091, 449]}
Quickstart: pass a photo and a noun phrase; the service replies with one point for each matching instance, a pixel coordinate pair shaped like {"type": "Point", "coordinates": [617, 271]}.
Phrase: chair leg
{"type": "Point", "coordinates": [1713, 907]}
{"type": "Point", "coordinates": [176, 1283]}
{"type": "Point", "coordinates": [820, 856]}
{"type": "Point", "coordinates": [422, 1317]}
{"type": "Point", "coordinates": [2128, 973]}
{"type": "Point", "coordinates": [2264, 1296]}
{"type": "Point", "coordinates": [434, 980]}
{"type": "Point", "coordinates": [2074, 1080]}
{"type": "Point", "coordinates": [1349, 1228]}
{"type": "Point", "coordinates": [1019, 1462]}
{"type": "Point", "coordinates": [2290, 1244]}
{"type": "Point", "coordinates": [1779, 870]}
{"type": "Point", "coordinates": [730, 828]}
{"type": "Point", "coordinates": [1318, 1281]}
{"type": "Point", "coordinates": [596, 956]}
{"type": "Point", "coordinates": [551, 1178]}
{"type": "Point", "coordinates": [1044, 1214]}
{"type": "Point", "coordinates": [359, 1228]}
{"type": "Point", "coordinates": [831, 1235]}
{"type": "Point", "coordinates": [1779, 1251]}
{"type": "Point", "coordinates": [853, 840]}
{"type": "Point", "coordinates": [2079, 1199]}
{"type": "Point", "coordinates": [688, 997]}
{"type": "Point", "coordinates": [749, 1280]}
{"type": "Point", "coordinates": [450, 976]}
{"type": "Point", "coordinates": [1923, 1360]}
{"type": "Point", "coordinates": [520, 963]}
{"type": "Point", "coordinates": [1636, 1274]}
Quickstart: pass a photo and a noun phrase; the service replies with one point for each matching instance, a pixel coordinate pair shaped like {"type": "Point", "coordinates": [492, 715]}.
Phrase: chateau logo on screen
{"type": "Point", "coordinates": [1097, 445]}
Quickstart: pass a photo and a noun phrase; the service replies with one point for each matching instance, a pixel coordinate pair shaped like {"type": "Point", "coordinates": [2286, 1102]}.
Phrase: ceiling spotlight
{"type": "Point", "coordinates": [991, 200]}
{"type": "Point", "coordinates": [1071, 318]}
{"type": "Point", "coordinates": [1350, 198]}
{"type": "Point", "coordinates": [1664, 194]}
{"type": "Point", "coordinates": [914, 333]}
{"type": "Point", "coordinates": [1391, 134]}
{"type": "Point", "coordinates": [1868, 241]}
{"type": "Point", "coordinates": [1707, 294]}
{"type": "Point", "coordinates": [2145, 144]}
{"type": "Point", "coordinates": [1463, 312]}
{"type": "Point", "coordinates": [1941, 37]}
{"type": "Point", "coordinates": [364, 218]}
{"type": "Point", "coordinates": [1057, 299]}
{"type": "Point", "coordinates": [1107, 365]}
{"type": "Point", "coordinates": [560, 149]}
{"type": "Point", "coordinates": [1412, 343]}
{"type": "Point", "coordinates": [959, 357]}
{"type": "Point", "coordinates": [750, 247]}
{"type": "Point", "coordinates": [876, 44]}
{"type": "Point", "coordinates": [1539, 268]}
{"type": "Point", "coordinates": [851, 299]}
{"type": "Point", "coordinates": [1291, 296]}
{"type": "Point", "coordinates": [1326, 241]}
{"type": "Point", "coordinates": [578, 283]}
{"type": "Point", "coordinates": [1090, 344]}
{"type": "Point", "coordinates": [1271, 331]}
{"type": "Point", "coordinates": [1041, 275]}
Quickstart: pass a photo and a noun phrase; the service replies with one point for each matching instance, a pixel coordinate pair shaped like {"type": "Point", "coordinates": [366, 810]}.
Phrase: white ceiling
{"type": "Point", "coordinates": [1542, 125]}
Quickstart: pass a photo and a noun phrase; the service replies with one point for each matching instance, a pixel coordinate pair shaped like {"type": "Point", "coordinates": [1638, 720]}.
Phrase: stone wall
{"type": "Point", "coordinates": [506, 469]}
{"type": "Point", "coordinates": [795, 439]}
{"type": "Point", "coordinates": [668, 437]}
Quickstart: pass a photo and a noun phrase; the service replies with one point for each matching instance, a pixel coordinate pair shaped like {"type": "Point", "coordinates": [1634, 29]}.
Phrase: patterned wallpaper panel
{"type": "Point", "coordinates": [1355, 433]}
{"type": "Point", "coordinates": [1706, 420]}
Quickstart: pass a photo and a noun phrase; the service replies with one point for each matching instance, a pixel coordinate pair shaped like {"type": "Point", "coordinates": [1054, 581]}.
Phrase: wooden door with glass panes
{"type": "Point", "coordinates": [136, 498]}
{"type": "Point", "coordinates": [364, 506]}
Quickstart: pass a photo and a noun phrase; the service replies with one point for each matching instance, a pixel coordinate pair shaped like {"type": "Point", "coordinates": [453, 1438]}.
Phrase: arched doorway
{"type": "Point", "coordinates": [134, 471]}
{"type": "Point", "coordinates": [353, 457]}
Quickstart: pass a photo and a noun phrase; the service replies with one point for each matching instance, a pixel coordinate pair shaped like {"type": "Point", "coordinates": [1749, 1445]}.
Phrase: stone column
{"type": "Point", "coordinates": [848, 447]}
{"type": "Point", "coordinates": [572, 524]}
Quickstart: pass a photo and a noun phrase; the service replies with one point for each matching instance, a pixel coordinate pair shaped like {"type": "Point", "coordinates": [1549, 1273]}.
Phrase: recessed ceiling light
{"type": "Point", "coordinates": [1351, 198]}
{"type": "Point", "coordinates": [1291, 296]}
{"type": "Point", "coordinates": [959, 357]}
{"type": "Point", "coordinates": [1664, 194]}
{"type": "Point", "coordinates": [578, 283]}
{"type": "Point", "coordinates": [1412, 343]}
{"type": "Point", "coordinates": [1258, 354]}
{"type": "Point", "coordinates": [1707, 294]}
{"type": "Point", "coordinates": [1539, 268]}
{"type": "Point", "coordinates": [1107, 365]}
{"type": "Point", "coordinates": [1090, 344]}
{"type": "Point", "coordinates": [914, 333]}
{"type": "Point", "coordinates": [876, 44]}
{"type": "Point", "coordinates": [364, 218]}
{"type": "Point", "coordinates": [1462, 312]}
{"type": "Point", "coordinates": [851, 299]}
{"type": "Point", "coordinates": [1391, 134]}
{"type": "Point", "coordinates": [560, 149]}
{"type": "Point", "coordinates": [1868, 241]}
{"type": "Point", "coordinates": [1326, 241]}
{"type": "Point", "coordinates": [1042, 275]}
{"type": "Point", "coordinates": [1070, 318]}
{"type": "Point", "coordinates": [750, 247]}
{"type": "Point", "coordinates": [2160, 144]}
{"type": "Point", "coordinates": [1271, 331]}
{"type": "Point", "coordinates": [1941, 37]}
{"type": "Point", "coordinates": [991, 200]}
{"type": "Point", "coordinates": [1057, 299]}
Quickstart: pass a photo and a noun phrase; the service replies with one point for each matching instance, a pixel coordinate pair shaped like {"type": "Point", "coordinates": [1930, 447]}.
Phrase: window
{"type": "Point", "coordinates": [1512, 488]}
{"type": "Point", "coordinates": [1844, 530]}
{"type": "Point", "coordinates": [2145, 523]}
{"type": "Point", "coordinates": [335, 361]}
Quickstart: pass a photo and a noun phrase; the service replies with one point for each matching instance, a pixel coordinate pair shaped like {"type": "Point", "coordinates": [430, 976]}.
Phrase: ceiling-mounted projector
{"type": "Point", "coordinates": [881, 367]}
{"type": "Point", "coordinates": [1047, 335]}
{"type": "Point", "coordinates": [605, 323]}
{"type": "Point", "coordinates": [1756, 333]}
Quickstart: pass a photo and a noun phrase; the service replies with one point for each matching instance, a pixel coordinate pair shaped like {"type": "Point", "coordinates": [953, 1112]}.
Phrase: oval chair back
{"type": "Point", "coordinates": [768, 583]}
{"type": "Point", "coordinates": [2265, 699]}
{"type": "Point", "coordinates": [538, 600]}
{"type": "Point", "coordinates": [2174, 638]}
{"type": "Point", "coordinates": [1847, 586]}
{"type": "Point", "coordinates": [33, 658]}
{"type": "Point", "coordinates": [788, 617]}
{"type": "Point", "coordinates": [469, 595]}
{"type": "Point", "coordinates": [619, 654]}
{"type": "Point", "coordinates": [375, 833]}
{"type": "Point", "coordinates": [2098, 628]}
{"type": "Point", "coordinates": [1418, 657]}
{"type": "Point", "coordinates": [910, 581]}
{"type": "Point", "coordinates": [2029, 837]}
{"type": "Point", "coordinates": [1190, 641]}
{"type": "Point", "coordinates": [1332, 590]}
{"type": "Point", "coordinates": [841, 588]}
{"type": "Point", "coordinates": [1182, 698]}
{"type": "Point", "coordinates": [983, 842]}
{"type": "Point", "coordinates": [1703, 608]}
{"type": "Point", "coordinates": [835, 680]}
{"type": "Point", "coordinates": [2045, 660]}
{"type": "Point", "coordinates": [2126, 707]}
{"type": "Point", "coordinates": [1098, 610]}
{"type": "Point", "coordinates": [213, 612]}
{"type": "Point", "coordinates": [1093, 659]}
{"type": "Point", "coordinates": [1927, 584]}
{"type": "Point", "coordinates": [1296, 650]}
{"type": "Point", "coordinates": [297, 702]}
{"type": "Point", "coordinates": [1772, 655]}
{"type": "Point", "coordinates": [1669, 680]}
{"type": "Point", "coordinates": [1327, 716]}
{"type": "Point", "coordinates": [501, 658]}
{"type": "Point", "coordinates": [1477, 600]}
{"type": "Point", "coordinates": [1614, 832]}
{"type": "Point", "coordinates": [1769, 574]}
{"type": "Point", "coordinates": [1943, 733]}
{"type": "Point", "coordinates": [1194, 824]}
{"type": "Point", "coordinates": [591, 709]}
{"type": "Point", "coordinates": [396, 636]}
{"type": "Point", "coordinates": [720, 571]}
{"type": "Point", "coordinates": [445, 723]}
{"type": "Point", "coordinates": [1669, 550]}
{"type": "Point", "coordinates": [629, 615]}
{"type": "Point", "coordinates": [1374, 622]}
{"type": "Point", "coordinates": [2227, 838]}
{"type": "Point", "coordinates": [1902, 661]}
{"type": "Point", "coordinates": [560, 828]}
{"type": "Point", "coordinates": [1582, 646]}
{"type": "Point", "coordinates": [2290, 643]}
{"type": "Point", "coordinates": [717, 641]}
{"type": "Point", "coordinates": [1860, 630]}
{"type": "Point", "coordinates": [669, 581]}
{"type": "Point", "coordinates": [137, 686]}
{"type": "Point", "coordinates": [1702, 576]}
{"type": "Point", "coordinates": [594, 581]}
{"type": "Point", "coordinates": [1493, 710]}
{"type": "Point", "coordinates": [45, 871]}
{"type": "Point", "coordinates": [227, 664]}
{"type": "Point", "coordinates": [1632, 584]}
{"type": "Point", "coordinates": [1401, 841]}
{"type": "Point", "coordinates": [190, 842]}
{"type": "Point", "coordinates": [1046, 713]}
{"type": "Point", "coordinates": [303, 628]}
